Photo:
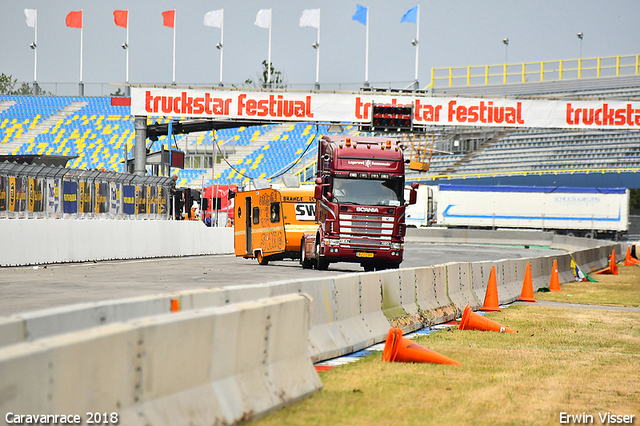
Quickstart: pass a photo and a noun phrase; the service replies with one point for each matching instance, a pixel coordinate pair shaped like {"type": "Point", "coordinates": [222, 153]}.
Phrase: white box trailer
{"type": "Point", "coordinates": [587, 212]}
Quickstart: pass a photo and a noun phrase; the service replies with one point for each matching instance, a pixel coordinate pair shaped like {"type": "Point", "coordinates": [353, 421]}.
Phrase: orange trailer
{"type": "Point", "coordinates": [269, 223]}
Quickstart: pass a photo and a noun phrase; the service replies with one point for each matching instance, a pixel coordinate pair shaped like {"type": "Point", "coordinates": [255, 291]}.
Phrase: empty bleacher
{"type": "Point", "coordinates": [548, 150]}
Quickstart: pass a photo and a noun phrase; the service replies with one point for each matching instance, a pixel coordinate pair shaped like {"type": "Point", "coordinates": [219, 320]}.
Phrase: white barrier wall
{"type": "Point", "coordinates": [42, 241]}
{"type": "Point", "coordinates": [210, 366]}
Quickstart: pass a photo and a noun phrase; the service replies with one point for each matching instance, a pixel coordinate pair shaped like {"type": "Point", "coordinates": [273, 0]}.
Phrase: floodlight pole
{"type": "Point", "coordinates": [317, 46]}
{"type": "Point", "coordinates": [221, 45]}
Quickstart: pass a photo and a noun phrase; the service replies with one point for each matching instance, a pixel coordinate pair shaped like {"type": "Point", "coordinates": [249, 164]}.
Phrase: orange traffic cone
{"type": "Point", "coordinates": [630, 261]}
{"type": "Point", "coordinates": [400, 349]}
{"type": "Point", "coordinates": [554, 284]}
{"type": "Point", "coordinates": [612, 269]}
{"type": "Point", "coordinates": [175, 305]}
{"type": "Point", "coordinates": [527, 287]}
{"type": "Point", "coordinates": [472, 321]}
{"type": "Point", "coordinates": [491, 303]}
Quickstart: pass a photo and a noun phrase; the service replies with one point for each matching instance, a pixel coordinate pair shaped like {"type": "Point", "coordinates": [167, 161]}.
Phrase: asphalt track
{"type": "Point", "coordinates": [30, 288]}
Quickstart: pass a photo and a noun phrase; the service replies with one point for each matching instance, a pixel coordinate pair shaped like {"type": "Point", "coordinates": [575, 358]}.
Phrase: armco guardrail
{"type": "Point", "coordinates": [207, 366]}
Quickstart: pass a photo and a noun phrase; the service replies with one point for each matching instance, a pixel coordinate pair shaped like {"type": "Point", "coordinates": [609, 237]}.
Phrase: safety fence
{"type": "Point", "coordinates": [609, 66]}
{"type": "Point", "coordinates": [30, 191]}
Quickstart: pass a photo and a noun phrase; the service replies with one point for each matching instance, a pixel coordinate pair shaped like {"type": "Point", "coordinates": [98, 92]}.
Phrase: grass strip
{"type": "Point", "coordinates": [616, 290]}
{"type": "Point", "coordinates": [562, 361]}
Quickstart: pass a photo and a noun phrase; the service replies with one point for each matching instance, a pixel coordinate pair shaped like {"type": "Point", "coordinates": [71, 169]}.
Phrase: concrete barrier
{"type": "Point", "coordinates": [34, 242]}
{"type": "Point", "coordinates": [371, 308]}
{"type": "Point", "coordinates": [431, 295]}
{"type": "Point", "coordinates": [328, 335]}
{"type": "Point", "coordinates": [480, 236]}
{"type": "Point", "coordinates": [399, 299]}
{"type": "Point", "coordinates": [459, 285]}
{"type": "Point", "coordinates": [480, 272]}
{"type": "Point", "coordinates": [509, 286]}
{"type": "Point", "coordinates": [210, 366]}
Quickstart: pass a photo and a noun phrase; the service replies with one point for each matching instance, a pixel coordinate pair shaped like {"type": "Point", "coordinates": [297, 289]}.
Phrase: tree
{"type": "Point", "coordinates": [8, 86]}
{"type": "Point", "coordinates": [277, 78]}
{"type": "Point", "coordinates": [117, 93]}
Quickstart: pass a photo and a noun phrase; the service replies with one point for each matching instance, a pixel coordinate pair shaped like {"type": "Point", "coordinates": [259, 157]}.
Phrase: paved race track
{"type": "Point", "coordinates": [30, 288]}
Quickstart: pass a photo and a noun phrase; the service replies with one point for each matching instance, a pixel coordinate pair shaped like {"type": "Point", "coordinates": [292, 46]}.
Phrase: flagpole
{"type": "Point", "coordinates": [127, 53]}
{"type": "Point", "coordinates": [366, 56]}
{"type": "Point", "coordinates": [81, 86]}
{"type": "Point", "coordinates": [35, 53]}
{"type": "Point", "coordinates": [417, 45]}
{"type": "Point", "coordinates": [174, 47]}
{"type": "Point", "coordinates": [269, 55]}
{"type": "Point", "coordinates": [221, 45]}
{"type": "Point", "coordinates": [318, 55]}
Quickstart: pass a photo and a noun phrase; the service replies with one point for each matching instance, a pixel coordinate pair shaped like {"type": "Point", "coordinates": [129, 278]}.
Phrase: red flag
{"type": "Point", "coordinates": [168, 18]}
{"type": "Point", "coordinates": [74, 20]}
{"type": "Point", "coordinates": [120, 17]}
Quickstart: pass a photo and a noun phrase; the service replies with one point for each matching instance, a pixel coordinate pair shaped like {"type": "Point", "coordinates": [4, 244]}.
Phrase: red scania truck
{"type": "Point", "coordinates": [360, 204]}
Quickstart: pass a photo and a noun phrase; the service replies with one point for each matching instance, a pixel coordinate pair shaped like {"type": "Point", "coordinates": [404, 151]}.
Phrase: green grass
{"type": "Point", "coordinates": [562, 360]}
{"type": "Point", "coordinates": [619, 290]}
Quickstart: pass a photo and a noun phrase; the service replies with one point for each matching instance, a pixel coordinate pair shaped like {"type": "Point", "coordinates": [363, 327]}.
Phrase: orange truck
{"type": "Point", "coordinates": [269, 223]}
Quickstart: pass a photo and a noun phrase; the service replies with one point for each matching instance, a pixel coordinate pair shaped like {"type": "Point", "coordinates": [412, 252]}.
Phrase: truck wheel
{"type": "Point", "coordinates": [321, 264]}
{"type": "Point", "coordinates": [261, 259]}
{"type": "Point", "coordinates": [306, 263]}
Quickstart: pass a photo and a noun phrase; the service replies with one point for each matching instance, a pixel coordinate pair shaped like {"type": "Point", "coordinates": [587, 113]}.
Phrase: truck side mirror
{"type": "Point", "coordinates": [413, 194]}
{"type": "Point", "coordinates": [318, 192]}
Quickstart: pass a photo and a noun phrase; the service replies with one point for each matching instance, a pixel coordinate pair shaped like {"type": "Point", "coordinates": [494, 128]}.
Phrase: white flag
{"type": "Point", "coordinates": [31, 17]}
{"type": "Point", "coordinates": [263, 19]}
{"type": "Point", "coordinates": [213, 19]}
{"type": "Point", "coordinates": [310, 18]}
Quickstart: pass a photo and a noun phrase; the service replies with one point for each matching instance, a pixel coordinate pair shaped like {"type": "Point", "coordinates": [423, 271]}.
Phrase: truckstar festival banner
{"type": "Point", "coordinates": [353, 107]}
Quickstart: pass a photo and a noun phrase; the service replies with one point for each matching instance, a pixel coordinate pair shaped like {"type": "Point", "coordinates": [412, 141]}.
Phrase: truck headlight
{"type": "Point", "coordinates": [396, 246]}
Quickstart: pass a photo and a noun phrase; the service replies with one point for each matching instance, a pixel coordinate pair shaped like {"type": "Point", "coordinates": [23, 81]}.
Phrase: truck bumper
{"type": "Point", "coordinates": [363, 256]}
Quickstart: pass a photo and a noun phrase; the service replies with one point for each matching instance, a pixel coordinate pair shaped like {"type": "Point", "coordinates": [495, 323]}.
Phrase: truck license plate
{"type": "Point", "coordinates": [363, 254]}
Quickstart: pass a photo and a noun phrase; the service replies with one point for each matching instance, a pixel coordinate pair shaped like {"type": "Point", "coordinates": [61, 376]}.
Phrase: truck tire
{"type": "Point", "coordinates": [261, 259]}
{"type": "Point", "coordinates": [306, 263]}
{"type": "Point", "coordinates": [321, 264]}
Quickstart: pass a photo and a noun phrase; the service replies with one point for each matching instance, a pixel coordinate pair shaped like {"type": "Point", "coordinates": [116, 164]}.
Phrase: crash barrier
{"type": "Point", "coordinates": [30, 191]}
{"type": "Point", "coordinates": [480, 236]}
{"type": "Point", "coordinates": [217, 365]}
{"type": "Point", "coordinates": [349, 312]}
{"type": "Point", "coordinates": [35, 242]}
{"type": "Point", "coordinates": [236, 352]}
{"type": "Point", "coordinates": [522, 237]}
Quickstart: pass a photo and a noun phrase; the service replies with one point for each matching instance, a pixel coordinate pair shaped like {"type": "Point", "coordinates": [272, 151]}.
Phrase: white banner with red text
{"type": "Point", "coordinates": [356, 107]}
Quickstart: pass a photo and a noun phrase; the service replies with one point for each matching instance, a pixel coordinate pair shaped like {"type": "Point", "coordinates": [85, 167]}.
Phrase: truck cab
{"type": "Point", "coordinates": [360, 204]}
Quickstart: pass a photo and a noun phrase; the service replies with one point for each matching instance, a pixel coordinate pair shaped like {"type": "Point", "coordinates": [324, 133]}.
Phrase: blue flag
{"type": "Point", "coordinates": [361, 15]}
{"type": "Point", "coordinates": [410, 15]}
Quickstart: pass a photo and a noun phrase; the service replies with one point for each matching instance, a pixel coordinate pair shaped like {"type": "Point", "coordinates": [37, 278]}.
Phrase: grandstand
{"type": "Point", "coordinates": [101, 136]}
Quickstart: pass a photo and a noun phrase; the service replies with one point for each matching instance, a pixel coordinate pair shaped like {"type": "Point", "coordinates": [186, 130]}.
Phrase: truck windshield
{"type": "Point", "coordinates": [370, 192]}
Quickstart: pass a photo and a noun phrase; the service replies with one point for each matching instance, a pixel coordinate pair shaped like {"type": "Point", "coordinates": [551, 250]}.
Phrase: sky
{"type": "Point", "coordinates": [452, 33]}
